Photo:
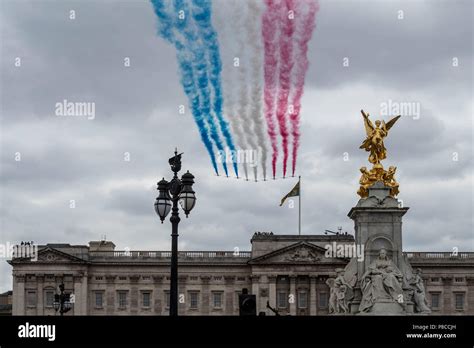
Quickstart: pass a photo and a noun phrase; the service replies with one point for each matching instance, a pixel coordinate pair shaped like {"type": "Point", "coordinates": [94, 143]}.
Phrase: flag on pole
{"type": "Point", "coordinates": [293, 193]}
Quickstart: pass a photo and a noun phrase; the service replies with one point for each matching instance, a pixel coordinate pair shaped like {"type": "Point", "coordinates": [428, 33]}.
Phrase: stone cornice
{"type": "Point", "coordinates": [134, 278]}
{"type": "Point", "coordinates": [205, 279]}
{"type": "Point", "coordinates": [158, 279]}
{"type": "Point", "coordinates": [272, 278]}
{"type": "Point", "coordinates": [229, 279]}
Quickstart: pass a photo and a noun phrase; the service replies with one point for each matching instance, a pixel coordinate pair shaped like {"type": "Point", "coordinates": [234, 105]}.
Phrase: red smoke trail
{"type": "Point", "coordinates": [269, 31]}
{"type": "Point", "coordinates": [286, 65]}
{"type": "Point", "coordinates": [304, 30]}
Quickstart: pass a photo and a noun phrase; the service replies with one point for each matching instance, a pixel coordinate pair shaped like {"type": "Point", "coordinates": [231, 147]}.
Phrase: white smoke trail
{"type": "Point", "coordinates": [224, 20]}
{"type": "Point", "coordinates": [240, 12]}
{"type": "Point", "coordinates": [254, 22]}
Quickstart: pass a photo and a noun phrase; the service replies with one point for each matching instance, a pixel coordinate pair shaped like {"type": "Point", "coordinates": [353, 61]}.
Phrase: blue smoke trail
{"type": "Point", "coordinates": [166, 25]}
{"type": "Point", "coordinates": [198, 52]}
{"type": "Point", "coordinates": [202, 16]}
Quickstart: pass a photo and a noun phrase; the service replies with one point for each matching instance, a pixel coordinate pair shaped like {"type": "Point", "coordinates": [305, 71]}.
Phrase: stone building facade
{"type": "Point", "coordinates": [6, 303]}
{"type": "Point", "coordinates": [288, 271]}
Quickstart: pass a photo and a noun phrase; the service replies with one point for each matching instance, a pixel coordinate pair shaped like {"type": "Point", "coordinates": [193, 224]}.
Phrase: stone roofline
{"type": "Point", "coordinates": [269, 236]}
{"type": "Point", "coordinates": [240, 256]}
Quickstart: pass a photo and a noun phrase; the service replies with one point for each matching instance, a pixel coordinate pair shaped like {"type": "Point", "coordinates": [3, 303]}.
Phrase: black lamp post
{"type": "Point", "coordinates": [169, 195]}
{"type": "Point", "coordinates": [62, 301]}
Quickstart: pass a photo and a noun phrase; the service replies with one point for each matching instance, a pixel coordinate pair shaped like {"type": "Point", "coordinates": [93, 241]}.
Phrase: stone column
{"type": "Point", "coordinates": [312, 296]}
{"type": "Point", "coordinates": [110, 295]}
{"type": "Point", "coordinates": [229, 295]}
{"type": "Point", "coordinates": [263, 294]}
{"type": "Point", "coordinates": [39, 294]}
{"type": "Point", "coordinates": [19, 295]}
{"type": "Point", "coordinates": [255, 288]}
{"type": "Point", "coordinates": [158, 295]}
{"type": "Point", "coordinates": [78, 306]}
{"type": "Point", "coordinates": [84, 300]}
{"type": "Point", "coordinates": [182, 307]}
{"type": "Point", "coordinates": [77, 291]}
{"type": "Point", "coordinates": [292, 296]}
{"type": "Point", "coordinates": [448, 305]}
{"type": "Point", "coordinates": [470, 295]}
{"type": "Point", "coordinates": [272, 292]}
{"type": "Point", "coordinates": [134, 295]}
{"type": "Point", "coordinates": [205, 295]}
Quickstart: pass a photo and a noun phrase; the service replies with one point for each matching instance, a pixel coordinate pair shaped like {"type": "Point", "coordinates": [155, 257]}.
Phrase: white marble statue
{"type": "Point", "coordinates": [381, 281]}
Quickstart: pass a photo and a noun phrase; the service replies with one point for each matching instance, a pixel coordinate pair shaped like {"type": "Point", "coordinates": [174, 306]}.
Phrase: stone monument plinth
{"type": "Point", "coordinates": [382, 282]}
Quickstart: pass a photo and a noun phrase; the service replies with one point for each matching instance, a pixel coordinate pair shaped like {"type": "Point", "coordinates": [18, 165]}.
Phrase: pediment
{"type": "Point", "coordinates": [50, 255]}
{"type": "Point", "coordinates": [53, 255]}
{"type": "Point", "coordinates": [301, 253]}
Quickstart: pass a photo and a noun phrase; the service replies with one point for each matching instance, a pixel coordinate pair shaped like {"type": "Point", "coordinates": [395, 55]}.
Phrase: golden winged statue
{"type": "Point", "coordinates": [375, 136]}
{"type": "Point", "coordinates": [375, 146]}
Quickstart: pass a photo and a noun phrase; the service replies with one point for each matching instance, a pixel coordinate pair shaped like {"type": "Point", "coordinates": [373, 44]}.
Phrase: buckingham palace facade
{"type": "Point", "coordinates": [290, 272]}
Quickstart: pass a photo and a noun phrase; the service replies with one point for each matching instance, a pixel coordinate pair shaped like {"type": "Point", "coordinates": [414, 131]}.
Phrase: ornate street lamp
{"type": "Point", "coordinates": [62, 301]}
{"type": "Point", "coordinates": [187, 198]}
{"type": "Point", "coordinates": [163, 201]}
{"type": "Point", "coordinates": [169, 195]}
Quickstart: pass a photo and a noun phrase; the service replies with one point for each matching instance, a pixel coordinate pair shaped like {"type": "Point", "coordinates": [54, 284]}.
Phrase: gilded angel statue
{"type": "Point", "coordinates": [375, 136]}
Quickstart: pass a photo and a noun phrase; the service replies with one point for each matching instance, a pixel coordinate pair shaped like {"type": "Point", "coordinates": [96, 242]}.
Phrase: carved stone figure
{"type": "Point", "coordinates": [342, 290]}
{"type": "Point", "coordinates": [340, 293]}
{"type": "Point", "coordinates": [332, 296]}
{"type": "Point", "coordinates": [419, 295]}
{"type": "Point", "coordinates": [382, 281]}
{"type": "Point", "coordinates": [303, 254]}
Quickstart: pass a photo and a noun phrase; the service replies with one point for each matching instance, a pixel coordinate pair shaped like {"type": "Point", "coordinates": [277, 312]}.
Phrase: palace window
{"type": "Point", "coordinates": [122, 278]}
{"type": "Point", "coordinates": [217, 278]}
{"type": "Point", "coordinates": [146, 278]}
{"type": "Point", "coordinates": [435, 280]}
{"type": "Point", "coordinates": [193, 299]}
{"type": "Point", "coordinates": [122, 299]}
{"type": "Point", "coordinates": [323, 300]}
{"type": "Point", "coordinates": [99, 299]}
{"type": "Point", "coordinates": [459, 301]}
{"type": "Point", "coordinates": [435, 300]}
{"type": "Point", "coordinates": [241, 279]}
{"type": "Point", "coordinates": [31, 298]}
{"type": "Point", "coordinates": [99, 278]}
{"type": "Point", "coordinates": [49, 298]}
{"type": "Point", "coordinates": [146, 297]}
{"type": "Point", "coordinates": [458, 279]}
{"type": "Point", "coordinates": [302, 299]}
{"type": "Point", "coordinates": [217, 299]}
{"type": "Point", "coordinates": [282, 299]}
{"type": "Point", "coordinates": [193, 278]}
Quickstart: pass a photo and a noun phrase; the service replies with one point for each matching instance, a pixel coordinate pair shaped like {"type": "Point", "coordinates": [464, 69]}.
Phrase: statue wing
{"type": "Point", "coordinates": [390, 123]}
{"type": "Point", "coordinates": [350, 272]}
{"type": "Point", "coordinates": [369, 127]}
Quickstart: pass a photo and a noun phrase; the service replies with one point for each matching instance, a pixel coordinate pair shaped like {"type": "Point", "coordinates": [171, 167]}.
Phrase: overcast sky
{"type": "Point", "coordinates": [72, 158]}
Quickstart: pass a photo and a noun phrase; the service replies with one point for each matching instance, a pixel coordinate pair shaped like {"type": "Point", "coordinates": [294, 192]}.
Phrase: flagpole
{"type": "Point", "coordinates": [299, 207]}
